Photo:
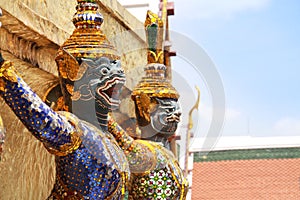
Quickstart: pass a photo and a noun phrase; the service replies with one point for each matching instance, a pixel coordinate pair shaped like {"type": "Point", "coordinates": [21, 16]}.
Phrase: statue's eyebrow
{"type": "Point", "coordinates": [166, 103]}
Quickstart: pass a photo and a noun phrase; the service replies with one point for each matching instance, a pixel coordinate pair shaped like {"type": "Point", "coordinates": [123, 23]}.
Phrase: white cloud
{"type": "Point", "coordinates": [236, 122]}
{"type": "Point", "coordinates": [233, 120]}
{"type": "Point", "coordinates": [287, 126]}
{"type": "Point", "coordinates": [232, 114]}
{"type": "Point", "coordinates": [204, 9]}
{"type": "Point", "coordinates": [206, 111]}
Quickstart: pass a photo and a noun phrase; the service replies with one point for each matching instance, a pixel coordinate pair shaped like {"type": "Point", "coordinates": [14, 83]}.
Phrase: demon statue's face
{"type": "Point", "coordinates": [103, 81]}
{"type": "Point", "coordinates": [166, 116]}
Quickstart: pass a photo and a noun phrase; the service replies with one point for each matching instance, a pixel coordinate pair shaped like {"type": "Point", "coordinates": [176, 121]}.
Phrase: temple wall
{"type": "Point", "coordinates": [27, 170]}
{"type": "Point", "coordinates": [32, 32]}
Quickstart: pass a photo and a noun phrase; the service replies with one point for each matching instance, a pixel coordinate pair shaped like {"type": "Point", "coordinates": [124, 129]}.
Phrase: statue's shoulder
{"type": "Point", "coordinates": [100, 144]}
{"type": "Point", "coordinates": [164, 156]}
{"type": "Point", "coordinates": [84, 127]}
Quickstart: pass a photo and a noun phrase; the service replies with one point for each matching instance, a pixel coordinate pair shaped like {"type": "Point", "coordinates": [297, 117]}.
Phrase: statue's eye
{"type": "Point", "coordinates": [170, 110]}
{"type": "Point", "coordinates": [104, 71]}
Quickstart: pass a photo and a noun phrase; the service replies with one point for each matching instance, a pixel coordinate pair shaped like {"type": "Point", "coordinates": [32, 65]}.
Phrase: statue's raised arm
{"type": "Point", "coordinates": [53, 130]}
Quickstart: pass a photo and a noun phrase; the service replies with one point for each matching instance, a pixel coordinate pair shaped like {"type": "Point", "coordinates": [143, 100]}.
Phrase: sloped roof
{"type": "Point", "coordinates": [252, 179]}
{"type": "Point", "coordinates": [248, 154]}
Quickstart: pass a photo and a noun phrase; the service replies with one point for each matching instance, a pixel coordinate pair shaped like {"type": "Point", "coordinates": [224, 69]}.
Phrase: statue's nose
{"type": "Point", "coordinates": [177, 113]}
{"type": "Point", "coordinates": [117, 69]}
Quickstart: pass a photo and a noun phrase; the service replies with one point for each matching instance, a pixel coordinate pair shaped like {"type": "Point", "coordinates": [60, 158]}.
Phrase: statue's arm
{"type": "Point", "coordinates": [53, 130]}
{"type": "Point", "coordinates": [125, 141]}
{"type": "Point", "coordinates": [140, 154]}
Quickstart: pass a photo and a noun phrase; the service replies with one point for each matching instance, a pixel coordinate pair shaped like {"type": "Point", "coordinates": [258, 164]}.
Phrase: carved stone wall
{"type": "Point", "coordinates": [32, 32]}
{"type": "Point", "coordinates": [27, 169]}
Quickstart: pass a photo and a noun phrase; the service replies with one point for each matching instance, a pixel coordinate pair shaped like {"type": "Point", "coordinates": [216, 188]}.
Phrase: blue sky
{"type": "Point", "coordinates": [255, 47]}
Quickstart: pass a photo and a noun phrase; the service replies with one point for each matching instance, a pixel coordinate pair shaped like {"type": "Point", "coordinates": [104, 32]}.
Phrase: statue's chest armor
{"type": "Point", "coordinates": [165, 182]}
{"type": "Point", "coordinates": [82, 173]}
{"type": "Point", "coordinates": [95, 170]}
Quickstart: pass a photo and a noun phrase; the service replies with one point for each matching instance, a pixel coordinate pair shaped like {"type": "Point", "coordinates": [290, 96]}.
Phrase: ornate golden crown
{"type": "Point", "coordinates": [87, 41]}
{"type": "Point", "coordinates": [154, 83]}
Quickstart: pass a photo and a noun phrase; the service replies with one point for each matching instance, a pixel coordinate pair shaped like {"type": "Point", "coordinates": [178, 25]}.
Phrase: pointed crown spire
{"type": "Point", "coordinates": [154, 34]}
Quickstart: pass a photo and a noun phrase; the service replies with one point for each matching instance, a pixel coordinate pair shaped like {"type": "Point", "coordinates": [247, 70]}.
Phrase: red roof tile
{"type": "Point", "coordinates": [268, 179]}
